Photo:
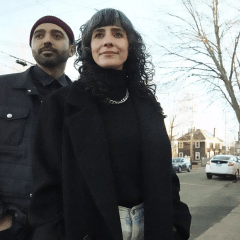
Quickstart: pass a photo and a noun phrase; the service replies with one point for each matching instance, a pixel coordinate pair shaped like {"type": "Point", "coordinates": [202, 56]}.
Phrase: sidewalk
{"type": "Point", "coordinates": [227, 229]}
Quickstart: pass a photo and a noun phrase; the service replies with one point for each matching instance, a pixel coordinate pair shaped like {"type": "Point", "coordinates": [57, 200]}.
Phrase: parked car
{"type": "Point", "coordinates": [180, 164]}
{"type": "Point", "coordinates": [223, 165]}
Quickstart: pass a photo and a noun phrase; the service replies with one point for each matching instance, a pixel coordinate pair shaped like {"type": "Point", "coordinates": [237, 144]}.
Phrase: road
{"type": "Point", "coordinates": [210, 201]}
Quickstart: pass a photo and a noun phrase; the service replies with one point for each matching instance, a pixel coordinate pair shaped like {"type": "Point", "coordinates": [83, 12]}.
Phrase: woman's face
{"type": "Point", "coordinates": [109, 47]}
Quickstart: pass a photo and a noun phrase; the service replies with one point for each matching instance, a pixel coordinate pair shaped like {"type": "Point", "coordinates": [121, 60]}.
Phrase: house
{"type": "Point", "coordinates": [200, 143]}
{"type": "Point", "coordinates": [237, 148]}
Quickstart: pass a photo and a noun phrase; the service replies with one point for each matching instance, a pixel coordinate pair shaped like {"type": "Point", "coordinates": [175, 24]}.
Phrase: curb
{"type": "Point", "coordinates": [227, 228]}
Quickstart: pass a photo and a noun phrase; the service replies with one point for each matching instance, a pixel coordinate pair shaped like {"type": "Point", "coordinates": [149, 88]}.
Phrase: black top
{"type": "Point", "coordinates": [124, 140]}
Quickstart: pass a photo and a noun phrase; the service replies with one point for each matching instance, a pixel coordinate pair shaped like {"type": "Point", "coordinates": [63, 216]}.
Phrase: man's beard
{"type": "Point", "coordinates": [50, 60]}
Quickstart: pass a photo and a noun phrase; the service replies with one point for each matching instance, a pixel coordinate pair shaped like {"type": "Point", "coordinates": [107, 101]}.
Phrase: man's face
{"type": "Point", "coordinates": [50, 46]}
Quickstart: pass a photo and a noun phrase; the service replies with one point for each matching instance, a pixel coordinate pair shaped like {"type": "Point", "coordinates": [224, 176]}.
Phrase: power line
{"type": "Point", "coordinates": [14, 44]}
{"type": "Point", "coordinates": [22, 60]}
{"type": "Point", "coordinates": [10, 67]}
{"type": "Point", "coordinates": [4, 12]}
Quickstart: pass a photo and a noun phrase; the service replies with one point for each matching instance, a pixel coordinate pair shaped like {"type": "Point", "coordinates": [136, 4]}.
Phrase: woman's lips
{"type": "Point", "coordinates": [108, 52]}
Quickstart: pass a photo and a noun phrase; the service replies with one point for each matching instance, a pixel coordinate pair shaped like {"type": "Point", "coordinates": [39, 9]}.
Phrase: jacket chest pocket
{"type": "Point", "coordinates": [12, 125]}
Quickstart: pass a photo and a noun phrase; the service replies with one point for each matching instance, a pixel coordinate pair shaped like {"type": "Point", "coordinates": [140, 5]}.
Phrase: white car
{"type": "Point", "coordinates": [223, 165]}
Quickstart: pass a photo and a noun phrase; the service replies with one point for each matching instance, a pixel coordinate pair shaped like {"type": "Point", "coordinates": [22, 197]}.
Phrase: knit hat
{"type": "Point", "coordinates": [54, 20]}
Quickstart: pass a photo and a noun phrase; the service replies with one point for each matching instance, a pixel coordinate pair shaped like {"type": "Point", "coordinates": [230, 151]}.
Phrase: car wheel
{"type": "Point", "coordinates": [235, 177]}
{"type": "Point", "coordinates": [179, 169]}
{"type": "Point", "coordinates": [209, 176]}
{"type": "Point", "coordinates": [189, 169]}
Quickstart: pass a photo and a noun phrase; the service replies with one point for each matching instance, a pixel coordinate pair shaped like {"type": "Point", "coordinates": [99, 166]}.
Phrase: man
{"type": "Point", "coordinates": [21, 94]}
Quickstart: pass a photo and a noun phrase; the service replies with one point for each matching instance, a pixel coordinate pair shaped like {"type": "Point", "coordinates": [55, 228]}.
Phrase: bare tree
{"type": "Point", "coordinates": [171, 127]}
{"type": "Point", "coordinates": [204, 48]}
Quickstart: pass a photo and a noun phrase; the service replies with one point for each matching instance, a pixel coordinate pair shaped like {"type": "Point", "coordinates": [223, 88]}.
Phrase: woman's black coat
{"type": "Point", "coordinates": [74, 196]}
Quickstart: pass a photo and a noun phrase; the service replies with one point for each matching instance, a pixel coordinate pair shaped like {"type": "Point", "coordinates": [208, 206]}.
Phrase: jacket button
{"type": "Point", "coordinates": [29, 90]}
{"type": "Point", "coordinates": [9, 115]}
{"type": "Point", "coordinates": [87, 238]}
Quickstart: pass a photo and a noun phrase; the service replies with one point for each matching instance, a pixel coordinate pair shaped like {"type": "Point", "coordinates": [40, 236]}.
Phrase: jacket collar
{"type": "Point", "coordinates": [46, 79]}
{"type": "Point", "coordinates": [25, 82]}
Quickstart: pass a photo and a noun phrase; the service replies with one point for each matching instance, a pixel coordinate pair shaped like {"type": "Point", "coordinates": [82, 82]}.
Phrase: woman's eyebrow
{"type": "Point", "coordinates": [99, 30]}
{"type": "Point", "coordinates": [117, 29]}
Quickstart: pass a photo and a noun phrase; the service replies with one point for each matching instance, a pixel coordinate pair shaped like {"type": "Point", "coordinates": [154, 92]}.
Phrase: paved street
{"type": "Point", "coordinates": [213, 204]}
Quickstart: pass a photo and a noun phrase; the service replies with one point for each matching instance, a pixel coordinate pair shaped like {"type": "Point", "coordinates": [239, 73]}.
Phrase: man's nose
{"type": "Point", "coordinates": [47, 44]}
{"type": "Point", "coordinates": [47, 39]}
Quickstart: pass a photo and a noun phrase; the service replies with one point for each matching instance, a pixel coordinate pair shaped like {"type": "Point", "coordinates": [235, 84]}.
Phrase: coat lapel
{"type": "Point", "coordinates": [91, 148]}
{"type": "Point", "coordinates": [157, 168]}
{"type": "Point", "coordinates": [90, 144]}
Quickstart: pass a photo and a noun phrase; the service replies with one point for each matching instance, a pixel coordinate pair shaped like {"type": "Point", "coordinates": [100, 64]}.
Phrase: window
{"type": "Point", "coordinates": [197, 155]}
{"type": "Point", "coordinates": [220, 145]}
{"type": "Point", "coordinates": [180, 144]}
{"type": "Point", "coordinates": [214, 145]}
{"type": "Point", "coordinates": [208, 144]}
{"type": "Point", "coordinates": [197, 144]}
{"type": "Point", "coordinates": [181, 154]}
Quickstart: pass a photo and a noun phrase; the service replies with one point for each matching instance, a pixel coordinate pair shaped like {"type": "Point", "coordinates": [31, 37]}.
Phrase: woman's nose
{"type": "Point", "coordinates": [108, 41]}
{"type": "Point", "coordinates": [108, 44]}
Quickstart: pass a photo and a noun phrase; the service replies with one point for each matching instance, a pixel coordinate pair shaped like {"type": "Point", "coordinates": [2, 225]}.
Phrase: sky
{"type": "Point", "coordinates": [17, 18]}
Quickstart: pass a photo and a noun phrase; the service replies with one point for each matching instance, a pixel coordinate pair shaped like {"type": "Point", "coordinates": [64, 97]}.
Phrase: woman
{"type": "Point", "coordinates": [102, 164]}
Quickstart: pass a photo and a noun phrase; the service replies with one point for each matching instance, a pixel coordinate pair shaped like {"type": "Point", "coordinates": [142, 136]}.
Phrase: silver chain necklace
{"type": "Point", "coordinates": [121, 101]}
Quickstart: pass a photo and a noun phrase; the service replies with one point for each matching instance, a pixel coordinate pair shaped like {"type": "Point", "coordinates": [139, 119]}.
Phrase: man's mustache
{"type": "Point", "coordinates": [47, 49]}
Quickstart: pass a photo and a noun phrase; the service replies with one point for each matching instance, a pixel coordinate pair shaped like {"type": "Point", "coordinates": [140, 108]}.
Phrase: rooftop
{"type": "Point", "coordinates": [200, 135]}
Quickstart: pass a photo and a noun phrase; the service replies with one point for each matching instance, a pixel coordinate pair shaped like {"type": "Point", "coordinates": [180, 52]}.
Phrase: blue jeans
{"type": "Point", "coordinates": [132, 222]}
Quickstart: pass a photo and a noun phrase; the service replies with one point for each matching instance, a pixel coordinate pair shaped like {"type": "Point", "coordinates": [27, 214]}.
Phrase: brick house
{"type": "Point", "coordinates": [204, 144]}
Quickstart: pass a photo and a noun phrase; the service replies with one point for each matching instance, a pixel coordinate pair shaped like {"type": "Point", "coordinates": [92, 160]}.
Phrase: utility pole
{"type": "Point", "coordinates": [239, 134]}
{"type": "Point", "coordinates": [191, 144]}
{"type": "Point", "coordinates": [226, 132]}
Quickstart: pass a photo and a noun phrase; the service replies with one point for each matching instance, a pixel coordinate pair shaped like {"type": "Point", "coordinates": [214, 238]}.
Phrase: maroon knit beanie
{"type": "Point", "coordinates": [54, 20]}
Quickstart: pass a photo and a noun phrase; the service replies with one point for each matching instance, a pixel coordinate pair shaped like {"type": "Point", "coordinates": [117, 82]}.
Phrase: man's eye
{"type": "Point", "coordinates": [38, 36]}
{"type": "Point", "coordinates": [58, 36]}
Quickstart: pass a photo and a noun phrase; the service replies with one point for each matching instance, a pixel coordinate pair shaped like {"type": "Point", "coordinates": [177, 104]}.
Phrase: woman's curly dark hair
{"type": "Point", "coordinates": [138, 68]}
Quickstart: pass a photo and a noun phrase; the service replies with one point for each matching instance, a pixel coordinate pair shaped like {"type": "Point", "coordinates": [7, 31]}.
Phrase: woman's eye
{"type": "Point", "coordinates": [118, 35]}
{"type": "Point", "coordinates": [98, 35]}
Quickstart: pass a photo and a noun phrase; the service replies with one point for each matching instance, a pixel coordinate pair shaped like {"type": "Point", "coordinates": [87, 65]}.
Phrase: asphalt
{"type": "Point", "coordinates": [228, 228]}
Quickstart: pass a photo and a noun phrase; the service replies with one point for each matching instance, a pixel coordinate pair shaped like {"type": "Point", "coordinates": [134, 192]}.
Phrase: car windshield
{"type": "Point", "coordinates": [221, 158]}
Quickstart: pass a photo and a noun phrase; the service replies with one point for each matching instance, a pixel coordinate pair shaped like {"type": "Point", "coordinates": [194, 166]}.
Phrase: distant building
{"type": "Point", "coordinates": [237, 148]}
{"type": "Point", "coordinates": [204, 144]}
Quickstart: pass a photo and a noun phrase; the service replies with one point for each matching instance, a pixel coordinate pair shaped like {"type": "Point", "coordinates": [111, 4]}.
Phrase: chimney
{"type": "Point", "coordinates": [214, 132]}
